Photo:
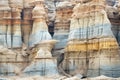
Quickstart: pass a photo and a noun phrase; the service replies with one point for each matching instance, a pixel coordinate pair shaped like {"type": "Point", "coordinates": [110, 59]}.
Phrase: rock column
{"type": "Point", "coordinates": [14, 38]}
{"type": "Point", "coordinates": [5, 24]}
{"type": "Point", "coordinates": [40, 28]}
{"type": "Point", "coordinates": [27, 21]}
{"type": "Point", "coordinates": [91, 44]}
{"type": "Point", "coordinates": [43, 63]}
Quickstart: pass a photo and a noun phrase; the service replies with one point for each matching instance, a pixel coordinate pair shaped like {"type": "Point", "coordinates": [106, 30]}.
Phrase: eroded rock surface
{"type": "Point", "coordinates": [86, 44]}
{"type": "Point", "coordinates": [30, 47]}
{"type": "Point", "coordinates": [114, 16]}
{"type": "Point", "coordinates": [91, 42]}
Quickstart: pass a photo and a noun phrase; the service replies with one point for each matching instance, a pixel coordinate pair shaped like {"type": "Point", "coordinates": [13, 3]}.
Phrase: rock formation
{"type": "Point", "coordinates": [26, 21]}
{"type": "Point", "coordinates": [16, 9]}
{"type": "Point", "coordinates": [91, 43]}
{"type": "Point", "coordinates": [63, 15]}
{"type": "Point", "coordinates": [35, 55]}
{"type": "Point", "coordinates": [11, 21]}
{"type": "Point", "coordinates": [40, 28]}
{"type": "Point", "coordinates": [5, 12]}
{"type": "Point", "coordinates": [62, 24]}
{"type": "Point", "coordinates": [114, 16]}
{"type": "Point", "coordinates": [43, 63]}
{"type": "Point", "coordinates": [86, 47]}
{"type": "Point", "coordinates": [50, 4]}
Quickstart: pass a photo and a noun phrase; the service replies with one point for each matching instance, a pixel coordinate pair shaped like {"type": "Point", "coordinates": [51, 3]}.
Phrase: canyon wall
{"type": "Point", "coordinates": [26, 44]}
{"type": "Point", "coordinates": [91, 44]}
{"type": "Point", "coordinates": [87, 46]}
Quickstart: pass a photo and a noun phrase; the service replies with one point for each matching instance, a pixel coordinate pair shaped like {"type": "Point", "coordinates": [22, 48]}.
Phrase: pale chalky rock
{"type": "Point", "coordinates": [63, 15]}
{"type": "Point", "coordinates": [4, 5]}
{"type": "Point", "coordinates": [40, 28]}
{"type": "Point", "coordinates": [16, 3]}
{"type": "Point", "coordinates": [62, 23]}
{"type": "Point", "coordinates": [11, 63]}
{"type": "Point", "coordinates": [27, 3]}
{"type": "Point", "coordinates": [26, 21]}
{"type": "Point", "coordinates": [11, 29]}
{"type": "Point", "coordinates": [91, 44]}
{"type": "Point", "coordinates": [15, 31]}
{"type": "Point", "coordinates": [5, 15]}
{"type": "Point", "coordinates": [43, 63]}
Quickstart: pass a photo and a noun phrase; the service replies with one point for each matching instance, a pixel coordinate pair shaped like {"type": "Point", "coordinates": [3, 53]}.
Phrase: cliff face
{"type": "Point", "coordinates": [59, 15]}
{"type": "Point", "coordinates": [91, 41]}
{"type": "Point", "coordinates": [24, 30]}
{"type": "Point", "coordinates": [87, 46]}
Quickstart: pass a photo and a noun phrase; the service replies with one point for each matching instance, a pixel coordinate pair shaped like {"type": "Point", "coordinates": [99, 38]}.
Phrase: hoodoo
{"type": "Point", "coordinates": [88, 32]}
{"type": "Point", "coordinates": [40, 28]}
{"type": "Point", "coordinates": [43, 63]}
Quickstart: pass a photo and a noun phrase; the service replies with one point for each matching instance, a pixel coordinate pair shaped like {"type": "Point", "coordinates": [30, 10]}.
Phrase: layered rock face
{"type": "Point", "coordinates": [63, 15]}
{"type": "Point", "coordinates": [26, 21]}
{"type": "Point", "coordinates": [62, 24]}
{"type": "Point", "coordinates": [62, 21]}
{"type": "Point", "coordinates": [40, 28]}
{"type": "Point", "coordinates": [50, 4]}
{"type": "Point", "coordinates": [31, 46]}
{"type": "Point", "coordinates": [91, 43]}
{"type": "Point", "coordinates": [19, 15]}
{"type": "Point", "coordinates": [43, 63]}
{"type": "Point", "coordinates": [10, 25]}
{"type": "Point", "coordinates": [26, 44]}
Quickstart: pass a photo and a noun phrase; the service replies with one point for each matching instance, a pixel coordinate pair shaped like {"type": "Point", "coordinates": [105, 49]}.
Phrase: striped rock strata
{"type": "Point", "coordinates": [92, 49]}
{"type": "Point", "coordinates": [43, 64]}
{"type": "Point", "coordinates": [39, 62]}
{"type": "Point", "coordinates": [40, 28]}
{"type": "Point", "coordinates": [36, 57]}
{"type": "Point", "coordinates": [5, 12]}
{"type": "Point", "coordinates": [26, 21]}
{"type": "Point", "coordinates": [10, 25]}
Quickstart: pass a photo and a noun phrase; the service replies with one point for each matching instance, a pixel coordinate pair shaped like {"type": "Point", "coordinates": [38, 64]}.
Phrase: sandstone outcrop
{"type": "Point", "coordinates": [62, 24]}
{"type": "Point", "coordinates": [30, 46]}
{"type": "Point", "coordinates": [26, 21]}
{"type": "Point", "coordinates": [91, 43]}
{"type": "Point", "coordinates": [43, 63]}
{"type": "Point", "coordinates": [40, 28]}
{"type": "Point", "coordinates": [87, 46]}
{"type": "Point", "coordinates": [63, 15]}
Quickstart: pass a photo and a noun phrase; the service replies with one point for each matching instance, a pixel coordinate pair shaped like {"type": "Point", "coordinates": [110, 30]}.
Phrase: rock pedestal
{"type": "Point", "coordinates": [43, 63]}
